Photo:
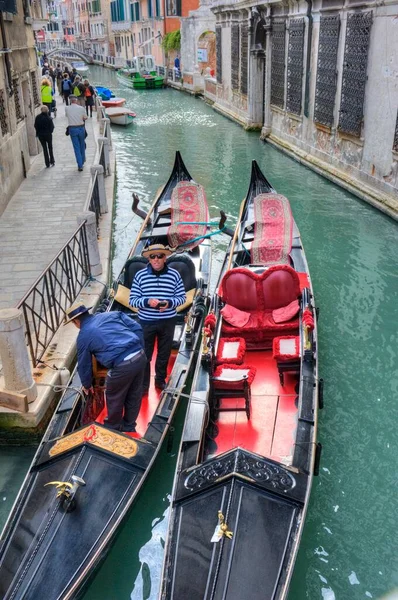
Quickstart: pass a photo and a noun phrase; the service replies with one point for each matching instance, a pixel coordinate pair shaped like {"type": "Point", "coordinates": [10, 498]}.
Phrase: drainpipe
{"type": "Point", "coordinates": [308, 66]}
{"type": "Point", "coordinates": [6, 51]}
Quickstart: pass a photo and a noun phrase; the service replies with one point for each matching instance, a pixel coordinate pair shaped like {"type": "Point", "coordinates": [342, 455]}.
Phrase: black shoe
{"type": "Point", "coordinates": [80, 169]}
{"type": "Point", "coordinates": [52, 164]}
{"type": "Point", "coordinates": [47, 166]}
{"type": "Point", "coordinates": [127, 429]}
{"type": "Point", "coordinates": [160, 385]}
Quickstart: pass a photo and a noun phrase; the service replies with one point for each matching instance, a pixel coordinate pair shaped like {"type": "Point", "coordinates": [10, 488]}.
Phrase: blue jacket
{"type": "Point", "coordinates": [110, 337]}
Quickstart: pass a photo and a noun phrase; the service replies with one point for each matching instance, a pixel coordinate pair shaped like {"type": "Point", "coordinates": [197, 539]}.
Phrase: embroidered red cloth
{"type": "Point", "coordinates": [286, 348]}
{"type": "Point", "coordinates": [234, 316]}
{"type": "Point", "coordinates": [273, 230]}
{"type": "Point", "coordinates": [188, 207]}
{"type": "Point", "coordinates": [231, 350]}
{"type": "Point", "coordinates": [286, 313]}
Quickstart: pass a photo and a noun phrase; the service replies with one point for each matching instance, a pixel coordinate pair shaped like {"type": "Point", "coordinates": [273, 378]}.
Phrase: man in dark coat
{"type": "Point", "coordinates": [44, 131]}
{"type": "Point", "coordinates": [117, 342]}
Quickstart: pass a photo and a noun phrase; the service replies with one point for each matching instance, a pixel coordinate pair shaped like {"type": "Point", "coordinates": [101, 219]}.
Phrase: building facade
{"type": "Point", "coordinates": [19, 93]}
{"type": "Point", "coordinates": [320, 79]}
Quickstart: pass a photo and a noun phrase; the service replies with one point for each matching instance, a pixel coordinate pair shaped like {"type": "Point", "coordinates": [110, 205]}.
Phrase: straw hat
{"type": "Point", "coordinates": [77, 310]}
{"type": "Point", "coordinates": [157, 249]}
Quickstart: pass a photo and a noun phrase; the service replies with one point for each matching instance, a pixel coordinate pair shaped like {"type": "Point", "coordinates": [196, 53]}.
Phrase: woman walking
{"type": "Point", "coordinates": [46, 93]}
{"type": "Point", "coordinates": [89, 95]}
{"type": "Point", "coordinates": [44, 131]}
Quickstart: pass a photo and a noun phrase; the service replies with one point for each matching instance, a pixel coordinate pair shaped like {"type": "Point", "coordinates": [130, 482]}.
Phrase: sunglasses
{"type": "Point", "coordinates": [153, 256]}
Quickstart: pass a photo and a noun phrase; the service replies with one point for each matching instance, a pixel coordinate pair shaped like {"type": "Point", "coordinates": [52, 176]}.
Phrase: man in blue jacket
{"type": "Point", "coordinates": [117, 342]}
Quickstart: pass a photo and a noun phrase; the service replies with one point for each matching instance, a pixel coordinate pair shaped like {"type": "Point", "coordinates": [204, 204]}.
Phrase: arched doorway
{"type": "Point", "coordinates": [206, 53]}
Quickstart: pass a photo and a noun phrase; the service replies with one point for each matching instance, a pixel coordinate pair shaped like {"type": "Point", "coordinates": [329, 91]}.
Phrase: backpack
{"type": "Point", "coordinates": [76, 91]}
{"type": "Point", "coordinates": [66, 85]}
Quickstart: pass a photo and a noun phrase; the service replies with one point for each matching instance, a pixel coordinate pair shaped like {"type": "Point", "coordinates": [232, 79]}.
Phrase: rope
{"type": "Point", "coordinates": [209, 223]}
{"type": "Point", "coordinates": [202, 237]}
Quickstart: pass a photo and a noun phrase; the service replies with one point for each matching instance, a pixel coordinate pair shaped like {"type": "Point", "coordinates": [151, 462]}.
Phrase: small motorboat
{"type": "Point", "coordinates": [120, 116]}
{"type": "Point", "coordinates": [112, 102]}
{"type": "Point", "coordinates": [80, 66]}
{"type": "Point", "coordinates": [143, 75]}
{"type": "Point", "coordinates": [104, 93]}
{"type": "Point", "coordinates": [248, 451]}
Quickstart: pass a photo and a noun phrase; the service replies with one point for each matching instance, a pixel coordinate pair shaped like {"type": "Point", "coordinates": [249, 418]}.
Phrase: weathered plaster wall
{"type": "Point", "coordinates": [192, 29]}
{"type": "Point", "coordinates": [19, 141]}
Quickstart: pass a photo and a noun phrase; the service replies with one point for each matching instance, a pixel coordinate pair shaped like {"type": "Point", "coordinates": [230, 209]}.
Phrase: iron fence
{"type": "Point", "coordinates": [94, 202]}
{"type": "Point", "coordinates": [45, 304]}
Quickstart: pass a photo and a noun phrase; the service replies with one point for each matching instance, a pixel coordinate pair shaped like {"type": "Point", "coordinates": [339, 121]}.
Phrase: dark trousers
{"type": "Point", "coordinates": [163, 332]}
{"type": "Point", "coordinates": [66, 97]}
{"type": "Point", "coordinates": [124, 391]}
{"type": "Point", "coordinates": [47, 143]}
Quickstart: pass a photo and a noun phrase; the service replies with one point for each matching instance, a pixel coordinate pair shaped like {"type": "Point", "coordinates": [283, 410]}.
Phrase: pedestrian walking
{"type": "Point", "coordinates": [156, 292]}
{"type": "Point", "coordinates": [76, 116]}
{"type": "Point", "coordinates": [46, 93]}
{"type": "Point", "coordinates": [73, 75]}
{"type": "Point", "coordinates": [66, 88]}
{"type": "Point", "coordinates": [89, 95]}
{"type": "Point", "coordinates": [44, 131]}
{"type": "Point", "coordinates": [52, 78]}
{"type": "Point", "coordinates": [79, 90]}
{"type": "Point", "coordinates": [116, 341]}
{"type": "Point", "coordinates": [59, 77]}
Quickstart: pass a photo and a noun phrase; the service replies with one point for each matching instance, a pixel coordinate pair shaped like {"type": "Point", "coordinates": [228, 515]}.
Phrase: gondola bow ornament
{"type": "Point", "coordinates": [221, 530]}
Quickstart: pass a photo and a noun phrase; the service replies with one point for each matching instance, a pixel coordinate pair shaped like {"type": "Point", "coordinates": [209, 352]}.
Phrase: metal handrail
{"type": "Point", "coordinates": [44, 305]}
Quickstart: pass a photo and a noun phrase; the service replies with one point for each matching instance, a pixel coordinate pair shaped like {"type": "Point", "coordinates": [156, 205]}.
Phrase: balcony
{"type": "Point", "coordinates": [119, 26]}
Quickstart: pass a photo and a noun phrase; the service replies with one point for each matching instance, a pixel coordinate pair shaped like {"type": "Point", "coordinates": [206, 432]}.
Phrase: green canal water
{"type": "Point", "coordinates": [348, 550]}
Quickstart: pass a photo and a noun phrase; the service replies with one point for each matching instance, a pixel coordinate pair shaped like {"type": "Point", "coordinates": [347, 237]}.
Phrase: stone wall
{"type": "Point", "coordinates": [333, 105]}
{"type": "Point", "coordinates": [19, 102]}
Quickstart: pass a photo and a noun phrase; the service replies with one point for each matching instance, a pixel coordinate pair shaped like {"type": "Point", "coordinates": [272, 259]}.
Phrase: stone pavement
{"type": "Point", "coordinates": [41, 216]}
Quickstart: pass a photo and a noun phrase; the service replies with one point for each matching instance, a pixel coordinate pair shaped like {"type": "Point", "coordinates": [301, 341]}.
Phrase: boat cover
{"type": "Point", "coordinates": [273, 229]}
{"type": "Point", "coordinates": [189, 216]}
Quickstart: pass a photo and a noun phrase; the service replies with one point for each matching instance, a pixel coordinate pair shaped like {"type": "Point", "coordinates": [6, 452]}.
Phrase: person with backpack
{"type": "Point", "coordinates": [66, 88]}
{"type": "Point", "coordinates": [89, 95]}
{"type": "Point", "coordinates": [79, 90]}
{"type": "Point", "coordinates": [73, 75]}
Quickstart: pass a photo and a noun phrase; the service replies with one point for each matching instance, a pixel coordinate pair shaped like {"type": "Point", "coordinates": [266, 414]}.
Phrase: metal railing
{"type": "Point", "coordinates": [45, 304]}
{"type": "Point", "coordinates": [94, 202]}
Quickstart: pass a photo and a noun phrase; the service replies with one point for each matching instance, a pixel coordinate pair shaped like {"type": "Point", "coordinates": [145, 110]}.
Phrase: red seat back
{"type": "Point", "coordinates": [238, 288]}
{"type": "Point", "coordinates": [280, 285]}
{"type": "Point", "coordinates": [245, 290]}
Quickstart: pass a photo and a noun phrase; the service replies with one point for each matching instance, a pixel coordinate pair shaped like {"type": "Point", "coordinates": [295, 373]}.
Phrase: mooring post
{"type": "Point", "coordinates": [92, 241]}
{"type": "Point", "coordinates": [20, 387]}
{"type": "Point", "coordinates": [99, 169]}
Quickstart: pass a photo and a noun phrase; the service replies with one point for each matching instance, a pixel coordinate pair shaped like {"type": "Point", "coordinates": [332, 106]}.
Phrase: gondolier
{"type": "Point", "coordinates": [117, 342]}
{"type": "Point", "coordinates": [157, 291]}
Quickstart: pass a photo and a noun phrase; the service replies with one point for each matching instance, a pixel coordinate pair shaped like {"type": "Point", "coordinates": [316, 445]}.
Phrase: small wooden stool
{"type": "Point", "coordinates": [286, 352]}
{"type": "Point", "coordinates": [232, 381]}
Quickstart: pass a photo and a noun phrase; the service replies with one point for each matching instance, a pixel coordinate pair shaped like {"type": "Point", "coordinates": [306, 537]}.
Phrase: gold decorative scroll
{"type": "Point", "coordinates": [109, 440]}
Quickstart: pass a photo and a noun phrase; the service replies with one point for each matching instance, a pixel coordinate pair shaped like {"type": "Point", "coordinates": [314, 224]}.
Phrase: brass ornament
{"type": "Point", "coordinates": [98, 436]}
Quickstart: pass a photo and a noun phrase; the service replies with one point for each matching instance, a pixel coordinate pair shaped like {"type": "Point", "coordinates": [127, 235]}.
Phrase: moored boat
{"type": "Point", "coordinates": [104, 93]}
{"type": "Point", "coordinates": [114, 102]}
{"type": "Point", "coordinates": [143, 75]}
{"type": "Point", "coordinates": [120, 116]}
{"type": "Point", "coordinates": [80, 66]}
{"type": "Point", "coordinates": [56, 537]}
{"type": "Point", "coordinates": [248, 450]}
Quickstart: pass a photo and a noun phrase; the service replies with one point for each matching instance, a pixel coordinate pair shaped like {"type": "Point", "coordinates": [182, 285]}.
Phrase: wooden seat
{"type": "Point", "coordinates": [232, 381]}
{"type": "Point", "coordinates": [286, 352]}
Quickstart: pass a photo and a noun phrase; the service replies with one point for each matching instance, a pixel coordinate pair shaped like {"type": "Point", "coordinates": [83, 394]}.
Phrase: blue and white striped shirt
{"type": "Point", "coordinates": [162, 285]}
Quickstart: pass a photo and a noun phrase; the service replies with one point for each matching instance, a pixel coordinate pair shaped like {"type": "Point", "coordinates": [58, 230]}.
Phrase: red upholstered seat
{"type": "Point", "coordinates": [231, 351]}
{"type": "Point", "coordinates": [286, 352]}
{"type": "Point", "coordinates": [260, 294]}
{"type": "Point", "coordinates": [230, 377]}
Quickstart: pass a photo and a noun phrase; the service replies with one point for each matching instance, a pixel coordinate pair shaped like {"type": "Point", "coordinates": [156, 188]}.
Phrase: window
{"type": "Point", "coordinates": [173, 8]}
{"type": "Point", "coordinates": [295, 66]}
{"type": "Point", "coordinates": [3, 114]}
{"type": "Point", "coordinates": [157, 8]}
{"type": "Point", "coordinates": [235, 55]}
{"type": "Point", "coordinates": [278, 64]}
{"type": "Point", "coordinates": [218, 54]}
{"type": "Point", "coordinates": [150, 9]}
{"type": "Point", "coordinates": [326, 75]}
{"type": "Point", "coordinates": [137, 11]}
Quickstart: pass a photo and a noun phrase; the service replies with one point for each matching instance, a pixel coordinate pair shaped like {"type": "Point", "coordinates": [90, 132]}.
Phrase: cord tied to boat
{"type": "Point", "coordinates": [222, 529]}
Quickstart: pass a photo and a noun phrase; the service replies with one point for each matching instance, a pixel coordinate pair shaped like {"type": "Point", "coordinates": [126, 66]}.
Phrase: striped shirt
{"type": "Point", "coordinates": [162, 285]}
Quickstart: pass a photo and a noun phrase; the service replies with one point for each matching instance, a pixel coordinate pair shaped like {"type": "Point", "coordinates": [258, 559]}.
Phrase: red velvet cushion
{"type": "Point", "coordinates": [280, 285]}
{"type": "Point", "coordinates": [286, 313]}
{"type": "Point", "coordinates": [238, 288]}
{"type": "Point", "coordinates": [234, 316]}
{"type": "Point", "coordinates": [231, 351]}
{"type": "Point", "coordinates": [286, 348]}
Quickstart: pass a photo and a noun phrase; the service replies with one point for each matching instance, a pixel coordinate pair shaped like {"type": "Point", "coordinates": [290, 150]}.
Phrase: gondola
{"type": "Point", "coordinates": [84, 478]}
{"type": "Point", "coordinates": [248, 450]}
